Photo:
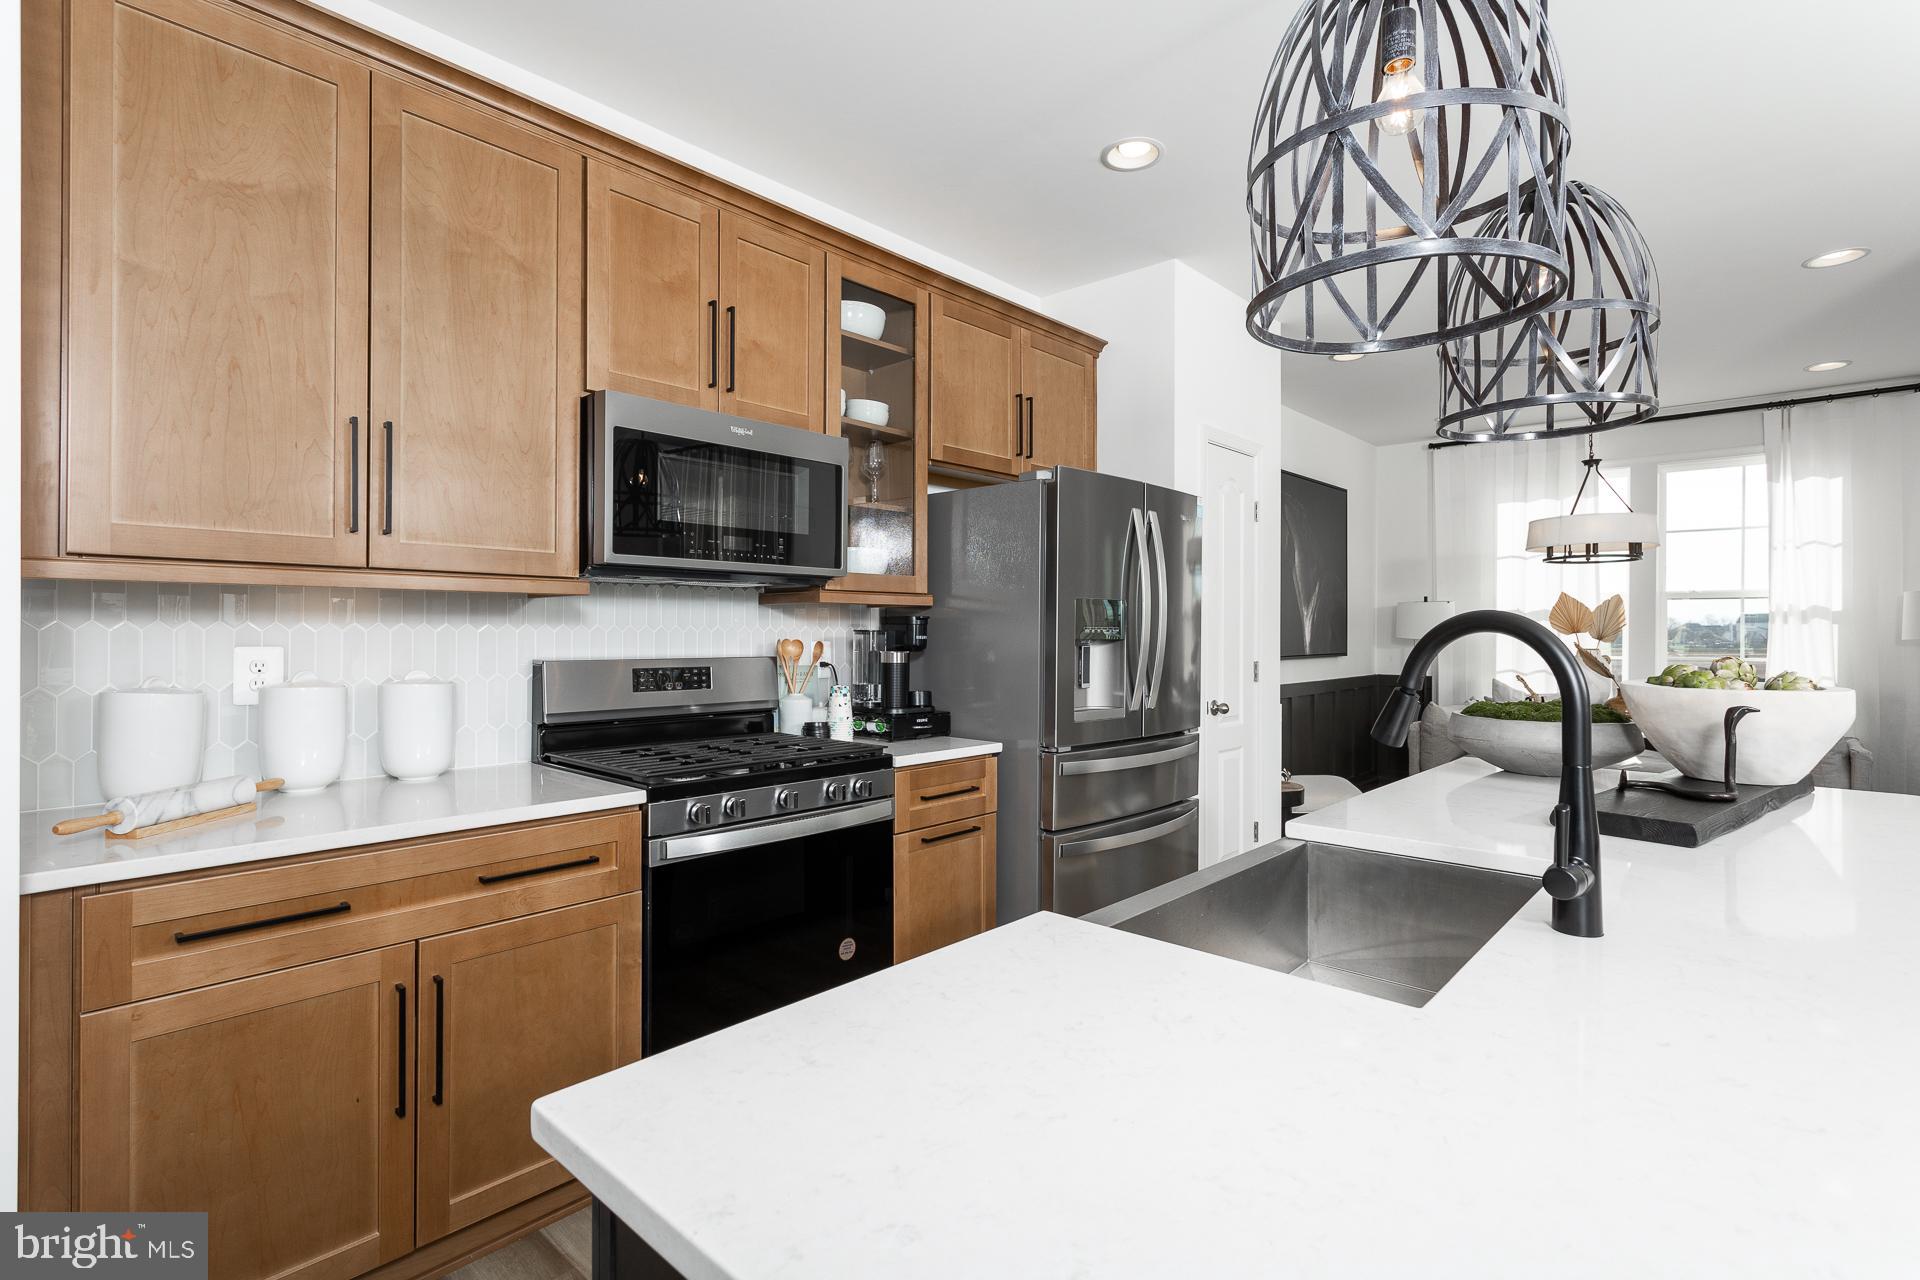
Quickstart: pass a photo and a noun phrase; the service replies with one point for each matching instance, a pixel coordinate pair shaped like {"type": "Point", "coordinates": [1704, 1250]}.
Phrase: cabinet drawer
{"type": "Point", "coordinates": [943, 885]}
{"type": "Point", "coordinates": [931, 794]}
{"type": "Point", "coordinates": [180, 934]}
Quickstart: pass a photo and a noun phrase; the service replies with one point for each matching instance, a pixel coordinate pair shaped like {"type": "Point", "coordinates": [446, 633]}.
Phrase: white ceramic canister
{"type": "Point", "coordinates": [416, 726]}
{"type": "Point", "coordinates": [149, 739]}
{"type": "Point", "coordinates": [795, 710]}
{"type": "Point", "coordinates": [303, 732]}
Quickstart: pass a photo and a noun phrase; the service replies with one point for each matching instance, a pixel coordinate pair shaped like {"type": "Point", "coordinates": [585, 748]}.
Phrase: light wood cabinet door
{"type": "Point", "coordinates": [281, 1106]}
{"type": "Point", "coordinates": [975, 411]}
{"type": "Point", "coordinates": [772, 324]}
{"type": "Point", "coordinates": [1057, 380]}
{"type": "Point", "coordinates": [653, 265]}
{"type": "Point", "coordinates": [513, 1011]}
{"type": "Point", "coordinates": [477, 339]}
{"type": "Point", "coordinates": [217, 288]}
{"type": "Point", "coordinates": [943, 885]}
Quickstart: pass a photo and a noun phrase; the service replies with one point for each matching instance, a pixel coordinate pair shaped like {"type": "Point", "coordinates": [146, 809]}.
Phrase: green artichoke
{"type": "Point", "coordinates": [1791, 681]}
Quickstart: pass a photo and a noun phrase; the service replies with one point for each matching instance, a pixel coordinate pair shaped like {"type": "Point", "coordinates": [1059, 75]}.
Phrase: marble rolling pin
{"type": "Point", "coordinates": [158, 812]}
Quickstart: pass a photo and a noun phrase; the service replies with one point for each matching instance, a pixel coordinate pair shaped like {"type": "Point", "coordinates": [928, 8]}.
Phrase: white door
{"type": "Point", "coordinates": [1227, 775]}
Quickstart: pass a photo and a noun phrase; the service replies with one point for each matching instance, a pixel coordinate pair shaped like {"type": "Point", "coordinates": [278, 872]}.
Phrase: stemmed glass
{"type": "Point", "coordinates": [873, 466]}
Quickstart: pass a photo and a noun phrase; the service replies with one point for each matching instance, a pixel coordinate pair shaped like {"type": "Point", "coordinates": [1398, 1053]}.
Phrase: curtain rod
{"type": "Point", "coordinates": [1787, 403]}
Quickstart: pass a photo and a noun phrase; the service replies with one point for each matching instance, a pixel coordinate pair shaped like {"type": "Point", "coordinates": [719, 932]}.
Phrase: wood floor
{"type": "Point", "coordinates": [562, 1251]}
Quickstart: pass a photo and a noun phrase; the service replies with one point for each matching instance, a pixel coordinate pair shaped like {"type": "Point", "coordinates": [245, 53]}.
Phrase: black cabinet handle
{"type": "Point", "coordinates": [1019, 429]}
{"type": "Point", "coordinates": [948, 795]}
{"type": "Point", "coordinates": [353, 483]}
{"type": "Point", "coordinates": [713, 342]}
{"type": "Point", "coordinates": [400, 1107]}
{"type": "Point", "coordinates": [1029, 426]}
{"type": "Point", "coordinates": [951, 835]}
{"type": "Point", "coordinates": [498, 876]}
{"type": "Point", "coordinates": [439, 1040]}
{"type": "Point", "coordinates": [386, 508]}
{"type": "Point", "coordinates": [732, 330]}
{"type": "Point", "coordinates": [248, 926]}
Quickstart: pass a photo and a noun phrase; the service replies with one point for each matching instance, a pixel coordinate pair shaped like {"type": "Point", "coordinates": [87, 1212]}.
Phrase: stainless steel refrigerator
{"type": "Point", "coordinates": [1067, 627]}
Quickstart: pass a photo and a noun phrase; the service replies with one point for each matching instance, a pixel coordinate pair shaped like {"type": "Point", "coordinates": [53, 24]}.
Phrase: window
{"type": "Point", "coordinates": [1713, 560]}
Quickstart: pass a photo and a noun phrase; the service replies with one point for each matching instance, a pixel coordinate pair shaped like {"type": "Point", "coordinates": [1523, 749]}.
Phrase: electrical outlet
{"type": "Point", "coordinates": [254, 668]}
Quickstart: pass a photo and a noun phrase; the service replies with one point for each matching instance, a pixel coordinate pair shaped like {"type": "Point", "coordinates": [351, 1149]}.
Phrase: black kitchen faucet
{"type": "Point", "coordinates": [1574, 878]}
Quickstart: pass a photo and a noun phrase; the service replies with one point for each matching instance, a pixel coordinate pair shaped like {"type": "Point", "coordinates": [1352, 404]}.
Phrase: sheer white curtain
{"type": "Point", "coordinates": [1844, 539]}
{"type": "Point", "coordinates": [1484, 496]}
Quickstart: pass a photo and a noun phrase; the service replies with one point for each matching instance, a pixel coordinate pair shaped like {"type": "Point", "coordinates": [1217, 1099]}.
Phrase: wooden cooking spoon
{"type": "Point", "coordinates": [819, 652]}
{"type": "Point", "coordinates": [790, 651]}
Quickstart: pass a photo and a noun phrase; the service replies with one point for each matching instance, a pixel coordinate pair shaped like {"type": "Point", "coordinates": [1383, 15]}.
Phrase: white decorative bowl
{"type": "Point", "coordinates": [866, 559]}
{"type": "Point", "coordinates": [872, 412]}
{"type": "Point", "coordinates": [863, 318]}
{"type": "Point", "coordinates": [1533, 746]}
{"type": "Point", "coordinates": [1791, 734]}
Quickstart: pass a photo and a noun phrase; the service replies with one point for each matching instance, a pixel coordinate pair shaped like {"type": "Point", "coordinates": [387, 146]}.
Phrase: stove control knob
{"type": "Point", "coordinates": [786, 798]}
{"type": "Point", "coordinates": [699, 813]}
{"type": "Point", "coordinates": [836, 792]}
{"type": "Point", "coordinates": [733, 807]}
{"type": "Point", "coordinates": [862, 788]}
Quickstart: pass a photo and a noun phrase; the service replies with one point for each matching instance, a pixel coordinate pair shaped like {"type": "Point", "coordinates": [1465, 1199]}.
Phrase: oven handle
{"type": "Point", "coordinates": [680, 848]}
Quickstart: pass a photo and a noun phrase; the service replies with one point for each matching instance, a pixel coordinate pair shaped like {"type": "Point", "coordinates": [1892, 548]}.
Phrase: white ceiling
{"type": "Point", "coordinates": [1743, 138]}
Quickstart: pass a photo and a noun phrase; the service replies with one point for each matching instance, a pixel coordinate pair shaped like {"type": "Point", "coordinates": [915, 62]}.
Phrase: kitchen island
{"type": "Point", "coordinates": [1721, 1085]}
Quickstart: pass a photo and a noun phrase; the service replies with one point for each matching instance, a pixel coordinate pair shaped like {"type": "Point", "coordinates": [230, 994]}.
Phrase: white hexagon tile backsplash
{"type": "Point", "coordinates": [77, 638]}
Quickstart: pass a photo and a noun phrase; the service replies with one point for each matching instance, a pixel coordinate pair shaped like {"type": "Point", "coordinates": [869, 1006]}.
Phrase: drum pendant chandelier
{"type": "Point", "coordinates": [1386, 126]}
{"type": "Point", "coordinates": [1585, 364]}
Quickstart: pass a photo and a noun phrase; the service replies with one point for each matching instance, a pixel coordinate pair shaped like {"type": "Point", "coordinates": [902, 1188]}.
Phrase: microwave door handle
{"type": "Point", "coordinates": [1161, 608]}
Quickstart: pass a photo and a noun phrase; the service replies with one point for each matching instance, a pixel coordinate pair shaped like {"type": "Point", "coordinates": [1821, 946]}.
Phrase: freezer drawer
{"type": "Point", "coordinates": [1104, 784]}
{"type": "Point", "coordinates": [1100, 865]}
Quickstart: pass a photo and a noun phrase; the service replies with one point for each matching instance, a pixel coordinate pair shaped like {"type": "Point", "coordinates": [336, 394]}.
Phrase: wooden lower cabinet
{"type": "Point", "coordinates": [281, 1106]}
{"type": "Point", "coordinates": [944, 853]}
{"type": "Point", "coordinates": [510, 1012]}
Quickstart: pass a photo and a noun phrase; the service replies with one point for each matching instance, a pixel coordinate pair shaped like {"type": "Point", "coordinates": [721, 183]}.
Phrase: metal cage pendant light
{"type": "Point", "coordinates": [1383, 128]}
{"type": "Point", "coordinates": [1585, 364]}
{"type": "Point", "coordinates": [1594, 536]}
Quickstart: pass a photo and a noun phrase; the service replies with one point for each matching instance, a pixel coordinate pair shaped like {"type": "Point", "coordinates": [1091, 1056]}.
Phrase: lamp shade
{"type": "Point", "coordinates": [1594, 537]}
{"type": "Point", "coordinates": [1910, 615]}
{"type": "Point", "coordinates": [1414, 618]}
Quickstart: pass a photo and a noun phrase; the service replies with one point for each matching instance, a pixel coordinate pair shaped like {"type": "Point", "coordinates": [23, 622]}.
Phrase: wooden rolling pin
{"type": "Point", "coordinates": [158, 812]}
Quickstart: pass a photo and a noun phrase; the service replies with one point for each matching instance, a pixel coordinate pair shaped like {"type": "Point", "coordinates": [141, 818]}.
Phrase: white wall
{"type": "Point", "coordinates": [1135, 314]}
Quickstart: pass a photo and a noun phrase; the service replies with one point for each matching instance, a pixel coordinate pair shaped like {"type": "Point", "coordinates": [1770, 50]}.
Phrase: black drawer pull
{"type": "Point", "coordinates": [400, 1107]}
{"type": "Point", "coordinates": [498, 876]}
{"type": "Point", "coordinates": [439, 1040]}
{"type": "Point", "coordinates": [268, 923]}
{"type": "Point", "coordinates": [948, 795]}
{"type": "Point", "coordinates": [353, 483]}
{"type": "Point", "coordinates": [951, 835]}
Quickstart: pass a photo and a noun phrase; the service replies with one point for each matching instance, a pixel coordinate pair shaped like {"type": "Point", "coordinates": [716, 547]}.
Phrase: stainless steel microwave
{"type": "Point", "coordinates": [675, 493]}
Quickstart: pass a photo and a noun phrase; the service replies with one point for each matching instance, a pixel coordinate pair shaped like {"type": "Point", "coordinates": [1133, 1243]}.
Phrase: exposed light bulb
{"type": "Point", "coordinates": [1393, 88]}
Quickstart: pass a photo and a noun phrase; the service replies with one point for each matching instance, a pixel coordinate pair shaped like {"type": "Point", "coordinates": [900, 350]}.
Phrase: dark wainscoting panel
{"type": "Point", "coordinates": [1326, 727]}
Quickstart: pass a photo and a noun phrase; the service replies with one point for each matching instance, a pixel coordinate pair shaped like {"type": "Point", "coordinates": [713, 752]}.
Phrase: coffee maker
{"type": "Point", "coordinates": [885, 703]}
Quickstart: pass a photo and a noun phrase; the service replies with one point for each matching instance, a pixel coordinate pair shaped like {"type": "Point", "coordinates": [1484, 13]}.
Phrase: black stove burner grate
{"type": "Point", "coordinates": [715, 758]}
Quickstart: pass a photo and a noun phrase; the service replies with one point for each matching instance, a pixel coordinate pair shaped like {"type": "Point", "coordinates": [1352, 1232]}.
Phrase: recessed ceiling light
{"type": "Point", "coordinates": [1838, 258]}
{"type": "Point", "coordinates": [1130, 153]}
{"type": "Point", "coordinates": [1827, 366]}
{"type": "Point", "coordinates": [1345, 356]}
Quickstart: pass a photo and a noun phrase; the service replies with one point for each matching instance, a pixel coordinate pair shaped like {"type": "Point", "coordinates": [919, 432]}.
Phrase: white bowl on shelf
{"type": "Point", "coordinates": [872, 412]}
{"type": "Point", "coordinates": [1792, 733]}
{"type": "Point", "coordinates": [866, 560]}
{"type": "Point", "coordinates": [863, 319]}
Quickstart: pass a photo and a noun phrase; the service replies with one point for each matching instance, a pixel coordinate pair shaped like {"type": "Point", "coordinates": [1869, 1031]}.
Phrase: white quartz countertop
{"type": "Point", "coordinates": [356, 812]}
{"type": "Point", "coordinates": [936, 750]}
{"type": "Point", "coordinates": [1720, 1086]}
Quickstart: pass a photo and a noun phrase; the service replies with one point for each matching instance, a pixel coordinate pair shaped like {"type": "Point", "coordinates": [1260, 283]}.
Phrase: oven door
{"type": "Point", "coordinates": [678, 491]}
{"type": "Point", "coordinates": [741, 921]}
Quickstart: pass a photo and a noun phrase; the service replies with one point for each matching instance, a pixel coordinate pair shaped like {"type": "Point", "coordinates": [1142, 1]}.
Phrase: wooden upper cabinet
{"type": "Point", "coordinates": [974, 413]}
{"type": "Point", "coordinates": [514, 1011]}
{"type": "Point", "coordinates": [653, 267]}
{"type": "Point", "coordinates": [772, 324]}
{"type": "Point", "coordinates": [1057, 380]}
{"type": "Point", "coordinates": [217, 288]}
{"type": "Point", "coordinates": [280, 1106]}
{"type": "Point", "coordinates": [477, 339]}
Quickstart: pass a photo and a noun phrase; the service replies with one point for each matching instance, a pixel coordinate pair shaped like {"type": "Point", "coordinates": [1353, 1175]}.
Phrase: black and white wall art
{"type": "Point", "coordinates": [1313, 557]}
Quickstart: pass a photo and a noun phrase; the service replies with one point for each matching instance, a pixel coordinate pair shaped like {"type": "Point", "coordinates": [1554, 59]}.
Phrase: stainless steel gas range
{"type": "Point", "coordinates": [769, 871]}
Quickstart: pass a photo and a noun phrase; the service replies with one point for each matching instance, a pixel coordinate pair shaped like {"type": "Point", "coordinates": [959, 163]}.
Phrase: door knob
{"type": "Point", "coordinates": [1218, 708]}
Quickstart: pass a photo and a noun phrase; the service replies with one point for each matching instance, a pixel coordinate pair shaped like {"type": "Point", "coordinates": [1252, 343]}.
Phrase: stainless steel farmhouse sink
{"type": "Point", "coordinates": [1386, 926]}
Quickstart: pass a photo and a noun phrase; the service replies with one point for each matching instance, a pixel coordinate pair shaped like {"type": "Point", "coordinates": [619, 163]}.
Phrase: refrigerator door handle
{"type": "Point", "coordinates": [1137, 541]}
{"type": "Point", "coordinates": [1107, 844]}
{"type": "Point", "coordinates": [1159, 540]}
